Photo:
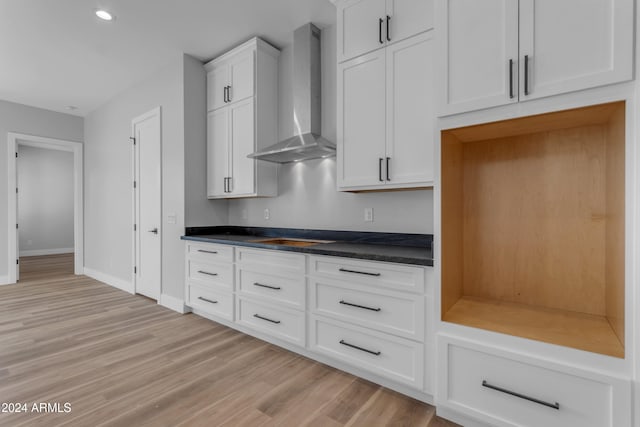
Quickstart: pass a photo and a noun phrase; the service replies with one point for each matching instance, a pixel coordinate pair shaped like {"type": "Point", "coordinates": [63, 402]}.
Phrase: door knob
{"type": "Point", "coordinates": [154, 231]}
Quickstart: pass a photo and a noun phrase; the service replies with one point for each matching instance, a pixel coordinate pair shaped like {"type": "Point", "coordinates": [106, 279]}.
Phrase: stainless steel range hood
{"type": "Point", "coordinates": [307, 144]}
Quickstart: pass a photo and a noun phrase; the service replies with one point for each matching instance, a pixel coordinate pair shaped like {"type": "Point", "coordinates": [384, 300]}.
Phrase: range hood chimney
{"type": "Point", "coordinates": [307, 144]}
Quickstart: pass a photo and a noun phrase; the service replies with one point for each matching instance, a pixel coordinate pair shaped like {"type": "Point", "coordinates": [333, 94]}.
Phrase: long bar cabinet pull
{"type": "Point", "coordinates": [207, 300]}
{"type": "Point", "coordinates": [526, 74]}
{"type": "Point", "coordinates": [345, 270]}
{"type": "Point", "coordinates": [207, 273]}
{"type": "Point", "coordinates": [380, 22]}
{"type": "Point", "coordinates": [343, 302]}
{"type": "Point", "coordinates": [277, 288]}
{"type": "Point", "coordinates": [375, 353]}
{"type": "Point", "coordinates": [554, 405]}
{"type": "Point", "coordinates": [511, 95]}
{"type": "Point", "coordinates": [266, 318]}
{"type": "Point", "coordinates": [207, 252]}
{"type": "Point", "coordinates": [388, 28]}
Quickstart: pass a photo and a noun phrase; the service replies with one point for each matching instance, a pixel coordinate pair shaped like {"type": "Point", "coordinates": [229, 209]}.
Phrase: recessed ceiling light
{"type": "Point", "coordinates": [72, 107]}
{"type": "Point", "coordinates": [104, 15]}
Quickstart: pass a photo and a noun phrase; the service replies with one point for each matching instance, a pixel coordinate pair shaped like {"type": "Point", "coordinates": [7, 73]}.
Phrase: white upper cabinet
{"type": "Point", "coordinates": [478, 54]}
{"type": "Point", "coordinates": [386, 117]}
{"type": "Point", "coordinates": [361, 121]}
{"type": "Point", "coordinates": [367, 25]}
{"type": "Point", "coordinates": [360, 27]}
{"type": "Point", "coordinates": [242, 100]}
{"type": "Point", "coordinates": [496, 52]}
{"type": "Point", "coordinates": [407, 18]}
{"type": "Point", "coordinates": [410, 111]}
{"type": "Point", "coordinates": [570, 45]}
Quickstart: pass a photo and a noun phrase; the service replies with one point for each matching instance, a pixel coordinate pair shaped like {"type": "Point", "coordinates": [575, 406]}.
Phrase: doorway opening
{"type": "Point", "coordinates": [52, 251]}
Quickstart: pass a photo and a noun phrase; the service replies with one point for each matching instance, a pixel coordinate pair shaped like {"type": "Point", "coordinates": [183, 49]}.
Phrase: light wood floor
{"type": "Point", "coordinates": [122, 360]}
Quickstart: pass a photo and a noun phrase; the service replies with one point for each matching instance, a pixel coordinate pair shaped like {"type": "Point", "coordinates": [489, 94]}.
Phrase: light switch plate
{"type": "Point", "coordinates": [172, 218]}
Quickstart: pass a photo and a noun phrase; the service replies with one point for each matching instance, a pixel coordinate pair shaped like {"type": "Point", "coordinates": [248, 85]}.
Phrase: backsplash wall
{"type": "Point", "coordinates": [307, 190]}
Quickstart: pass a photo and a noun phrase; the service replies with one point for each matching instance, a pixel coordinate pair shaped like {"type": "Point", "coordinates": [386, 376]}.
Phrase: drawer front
{"type": "Point", "coordinates": [273, 262]}
{"type": "Point", "coordinates": [278, 289]}
{"type": "Point", "coordinates": [288, 325]}
{"type": "Point", "coordinates": [393, 276]}
{"type": "Point", "coordinates": [217, 303]}
{"type": "Point", "coordinates": [392, 357]}
{"type": "Point", "coordinates": [393, 312]}
{"type": "Point", "coordinates": [210, 274]}
{"type": "Point", "coordinates": [208, 252]}
{"type": "Point", "coordinates": [507, 392]}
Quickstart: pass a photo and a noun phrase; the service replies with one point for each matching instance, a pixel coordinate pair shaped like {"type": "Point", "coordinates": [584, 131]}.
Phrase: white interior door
{"type": "Point", "coordinates": [148, 204]}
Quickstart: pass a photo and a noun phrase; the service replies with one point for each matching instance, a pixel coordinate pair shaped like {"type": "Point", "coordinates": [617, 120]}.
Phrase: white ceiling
{"type": "Point", "coordinates": [57, 53]}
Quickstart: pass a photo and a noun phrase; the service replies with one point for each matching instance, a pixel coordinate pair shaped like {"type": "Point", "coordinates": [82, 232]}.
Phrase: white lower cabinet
{"type": "Point", "coordinates": [282, 323]}
{"type": "Point", "coordinates": [387, 311]}
{"type": "Point", "coordinates": [214, 302]}
{"type": "Point", "coordinates": [508, 389]}
{"type": "Point", "coordinates": [386, 355]}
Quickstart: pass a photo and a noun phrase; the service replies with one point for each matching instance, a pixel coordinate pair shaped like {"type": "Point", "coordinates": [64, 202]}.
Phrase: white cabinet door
{"type": "Point", "coordinates": [478, 54]}
{"type": "Point", "coordinates": [407, 18]}
{"type": "Point", "coordinates": [241, 76]}
{"type": "Point", "coordinates": [361, 121]}
{"type": "Point", "coordinates": [217, 80]}
{"type": "Point", "coordinates": [410, 110]}
{"type": "Point", "coordinates": [217, 151]}
{"type": "Point", "coordinates": [574, 44]}
{"type": "Point", "coordinates": [242, 142]}
{"type": "Point", "coordinates": [361, 27]}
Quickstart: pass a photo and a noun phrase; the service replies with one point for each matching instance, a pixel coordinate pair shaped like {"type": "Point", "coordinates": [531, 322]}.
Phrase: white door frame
{"type": "Point", "coordinates": [15, 139]}
{"type": "Point", "coordinates": [135, 173]}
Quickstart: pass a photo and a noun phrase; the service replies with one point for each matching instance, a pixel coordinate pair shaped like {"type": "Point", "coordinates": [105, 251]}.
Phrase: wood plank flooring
{"type": "Point", "coordinates": [122, 360]}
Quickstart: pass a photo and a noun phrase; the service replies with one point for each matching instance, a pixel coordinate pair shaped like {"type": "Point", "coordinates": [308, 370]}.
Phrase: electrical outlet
{"type": "Point", "coordinates": [368, 214]}
{"type": "Point", "coordinates": [172, 218]}
{"type": "Point", "coordinates": [266, 213]}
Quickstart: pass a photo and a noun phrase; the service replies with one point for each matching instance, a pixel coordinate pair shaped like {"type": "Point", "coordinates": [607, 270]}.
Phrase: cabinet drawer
{"type": "Point", "coordinates": [210, 274]}
{"type": "Point", "coordinates": [394, 276]}
{"type": "Point", "coordinates": [387, 311]}
{"type": "Point", "coordinates": [273, 262]}
{"type": "Point", "coordinates": [395, 358]}
{"type": "Point", "coordinates": [217, 303]}
{"type": "Point", "coordinates": [285, 324]}
{"type": "Point", "coordinates": [209, 252]}
{"type": "Point", "coordinates": [507, 392]}
{"type": "Point", "coordinates": [278, 289]}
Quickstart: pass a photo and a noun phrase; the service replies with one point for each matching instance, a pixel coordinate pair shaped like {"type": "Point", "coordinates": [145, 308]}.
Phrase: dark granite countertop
{"type": "Point", "coordinates": [401, 248]}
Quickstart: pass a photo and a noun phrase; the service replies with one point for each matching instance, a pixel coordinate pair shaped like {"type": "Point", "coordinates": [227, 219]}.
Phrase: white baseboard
{"type": "Point", "coordinates": [39, 252]}
{"type": "Point", "coordinates": [4, 280]}
{"type": "Point", "coordinates": [109, 280]}
{"type": "Point", "coordinates": [173, 303]}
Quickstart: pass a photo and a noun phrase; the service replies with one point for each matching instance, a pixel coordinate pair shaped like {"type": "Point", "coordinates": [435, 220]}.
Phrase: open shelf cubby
{"type": "Point", "coordinates": [533, 233]}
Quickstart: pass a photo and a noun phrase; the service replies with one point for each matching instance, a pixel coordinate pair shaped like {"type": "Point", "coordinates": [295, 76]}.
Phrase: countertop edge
{"type": "Point", "coordinates": [316, 251]}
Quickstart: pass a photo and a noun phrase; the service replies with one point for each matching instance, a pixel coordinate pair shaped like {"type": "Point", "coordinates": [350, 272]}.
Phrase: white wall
{"type": "Point", "coordinates": [198, 209]}
{"type": "Point", "coordinates": [108, 179]}
{"type": "Point", "coordinates": [45, 201]}
{"type": "Point", "coordinates": [307, 190]}
{"type": "Point", "coordinates": [31, 121]}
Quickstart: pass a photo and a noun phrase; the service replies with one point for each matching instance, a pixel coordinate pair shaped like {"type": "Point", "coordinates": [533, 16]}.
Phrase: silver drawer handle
{"type": "Point", "coordinates": [344, 270]}
{"type": "Point", "coordinates": [266, 318]}
{"type": "Point", "coordinates": [207, 300]}
{"type": "Point", "coordinates": [375, 353]}
{"type": "Point", "coordinates": [554, 405]}
{"type": "Point", "coordinates": [359, 306]}
{"type": "Point", "coordinates": [277, 288]}
{"type": "Point", "coordinates": [207, 252]}
{"type": "Point", "coordinates": [207, 273]}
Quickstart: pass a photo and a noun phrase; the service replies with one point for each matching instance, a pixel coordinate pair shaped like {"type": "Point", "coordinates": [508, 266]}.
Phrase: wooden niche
{"type": "Point", "coordinates": [533, 227]}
